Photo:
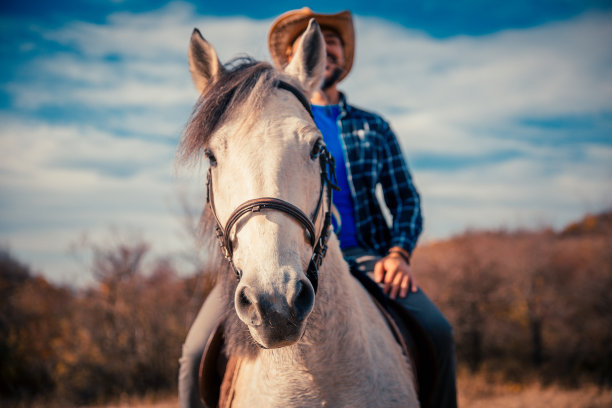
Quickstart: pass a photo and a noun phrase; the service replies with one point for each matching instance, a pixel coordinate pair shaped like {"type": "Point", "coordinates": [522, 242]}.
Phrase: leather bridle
{"type": "Point", "coordinates": [328, 184]}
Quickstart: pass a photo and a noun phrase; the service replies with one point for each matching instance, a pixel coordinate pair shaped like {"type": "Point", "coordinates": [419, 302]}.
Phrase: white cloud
{"type": "Point", "coordinates": [60, 181]}
{"type": "Point", "coordinates": [511, 71]}
{"type": "Point", "coordinates": [133, 60]}
{"type": "Point", "coordinates": [451, 90]}
{"type": "Point", "coordinates": [459, 98]}
{"type": "Point", "coordinates": [41, 152]}
{"type": "Point", "coordinates": [524, 192]}
{"type": "Point", "coordinates": [164, 34]}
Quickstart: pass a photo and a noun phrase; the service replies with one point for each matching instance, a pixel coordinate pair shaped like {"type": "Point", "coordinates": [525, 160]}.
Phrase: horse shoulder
{"type": "Point", "coordinates": [390, 379]}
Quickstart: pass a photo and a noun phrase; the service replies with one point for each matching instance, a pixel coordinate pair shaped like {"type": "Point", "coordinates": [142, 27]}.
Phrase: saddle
{"type": "Point", "coordinates": [218, 371]}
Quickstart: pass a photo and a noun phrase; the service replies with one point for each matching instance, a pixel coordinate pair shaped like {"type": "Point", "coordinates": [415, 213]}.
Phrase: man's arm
{"type": "Point", "coordinates": [401, 195]}
{"type": "Point", "coordinates": [403, 201]}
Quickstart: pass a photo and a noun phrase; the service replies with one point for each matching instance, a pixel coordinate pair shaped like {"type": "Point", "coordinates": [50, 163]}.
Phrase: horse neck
{"type": "Point", "coordinates": [341, 319]}
{"type": "Point", "coordinates": [336, 300]}
{"type": "Point", "coordinates": [347, 349]}
{"type": "Point", "coordinates": [347, 356]}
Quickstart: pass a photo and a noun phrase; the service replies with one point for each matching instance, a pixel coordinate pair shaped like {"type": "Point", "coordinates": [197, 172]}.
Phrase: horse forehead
{"type": "Point", "coordinates": [280, 124]}
{"type": "Point", "coordinates": [284, 117]}
{"type": "Point", "coordinates": [274, 132]}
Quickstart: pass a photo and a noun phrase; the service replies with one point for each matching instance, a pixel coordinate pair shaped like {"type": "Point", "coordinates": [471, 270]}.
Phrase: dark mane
{"type": "Point", "coordinates": [235, 86]}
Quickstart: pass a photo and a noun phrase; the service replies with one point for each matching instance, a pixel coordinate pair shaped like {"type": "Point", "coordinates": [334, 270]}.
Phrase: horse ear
{"type": "Point", "coordinates": [308, 63]}
{"type": "Point", "coordinates": [204, 63]}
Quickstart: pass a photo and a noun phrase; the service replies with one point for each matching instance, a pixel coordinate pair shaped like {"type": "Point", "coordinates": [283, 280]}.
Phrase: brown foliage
{"type": "Point", "coordinates": [122, 336]}
{"type": "Point", "coordinates": [520, 302]}
{"type": "Point", "coordinates": [30, 309]}
{"type": "Point", "coordinates": [529, 299]}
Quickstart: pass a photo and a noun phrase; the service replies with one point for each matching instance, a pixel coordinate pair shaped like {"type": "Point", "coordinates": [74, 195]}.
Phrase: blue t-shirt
{"type": "Point", "coordinates": [326, 119]}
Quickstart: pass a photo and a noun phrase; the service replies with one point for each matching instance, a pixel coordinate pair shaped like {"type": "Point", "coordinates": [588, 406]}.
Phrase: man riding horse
{"type": "Point", "coordinates": [367, 154]}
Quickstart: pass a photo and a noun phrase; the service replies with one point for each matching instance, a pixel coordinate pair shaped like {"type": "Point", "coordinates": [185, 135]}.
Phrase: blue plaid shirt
{"type": "Point", "coordinates": [373, 156]}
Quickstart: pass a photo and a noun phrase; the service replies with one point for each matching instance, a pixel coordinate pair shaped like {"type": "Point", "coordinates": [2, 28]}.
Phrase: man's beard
{"type": "Point", "coordinates": [333, 78]}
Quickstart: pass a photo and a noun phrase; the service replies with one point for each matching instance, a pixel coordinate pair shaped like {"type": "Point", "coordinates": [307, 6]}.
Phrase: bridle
{"type": "Point", "coordinates": [328, 184]}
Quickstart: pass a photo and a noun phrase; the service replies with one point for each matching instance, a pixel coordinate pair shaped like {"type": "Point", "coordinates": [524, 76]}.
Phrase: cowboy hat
{"type": "Point", "coordinates": [286, 29]}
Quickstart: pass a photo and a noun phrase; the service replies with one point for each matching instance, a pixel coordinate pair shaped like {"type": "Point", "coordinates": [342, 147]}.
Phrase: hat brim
{"type": "Point", "coordinates": [286, 29]}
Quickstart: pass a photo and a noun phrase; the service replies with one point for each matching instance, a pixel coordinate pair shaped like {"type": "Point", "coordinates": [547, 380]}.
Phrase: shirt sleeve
{"type": "Point", "coordinates": [400, 193]}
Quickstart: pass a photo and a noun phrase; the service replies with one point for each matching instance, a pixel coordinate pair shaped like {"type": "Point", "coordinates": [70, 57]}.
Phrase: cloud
{"type": "Point", "coordinates": [59, 181]}
{"type": "Point", "coordinates": [509, 129]}
{"type": "Point", "coordinates": [132, 70]}
{"type": "Point", "coordinates": [548, 189]}
{"type": "Point", "coordinates": [484, 82]}
{"type": "Point", "coordinates": [163, 34]}
{"type": "Point", "coordinates": [36, 151]}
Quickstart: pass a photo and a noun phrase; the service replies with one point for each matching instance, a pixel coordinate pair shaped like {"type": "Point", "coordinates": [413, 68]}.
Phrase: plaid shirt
{"type": "Point", "coordinates": [373, 156]}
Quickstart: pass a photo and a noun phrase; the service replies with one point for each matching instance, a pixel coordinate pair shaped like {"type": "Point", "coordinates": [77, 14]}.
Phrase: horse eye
{"type": "Point", "coordinates": [316, 149]}
{"type": "Point", "coordinates": [211, 157]}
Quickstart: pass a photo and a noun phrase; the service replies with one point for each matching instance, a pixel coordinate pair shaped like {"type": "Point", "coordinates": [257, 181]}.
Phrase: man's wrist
{"type": "Point", "coordinates": [401, 252]}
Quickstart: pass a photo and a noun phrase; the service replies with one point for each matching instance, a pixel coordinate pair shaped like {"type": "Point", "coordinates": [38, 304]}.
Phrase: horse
{"type": "Point", "coordinates": [305, 331]}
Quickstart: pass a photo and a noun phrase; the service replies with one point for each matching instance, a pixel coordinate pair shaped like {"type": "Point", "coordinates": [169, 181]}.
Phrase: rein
{"type": "Point", "coordinates": [328, 184]}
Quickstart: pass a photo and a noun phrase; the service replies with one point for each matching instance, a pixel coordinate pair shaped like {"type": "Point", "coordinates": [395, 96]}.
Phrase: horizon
{"type": "Point", "coordinates": [150, 264]}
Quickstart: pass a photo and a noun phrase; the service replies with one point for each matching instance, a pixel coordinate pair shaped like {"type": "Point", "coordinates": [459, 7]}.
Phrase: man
{"type": "Point", "coordinates": [367, 154]}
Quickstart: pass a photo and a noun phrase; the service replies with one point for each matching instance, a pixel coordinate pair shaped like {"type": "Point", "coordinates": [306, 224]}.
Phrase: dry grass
{"type": "Point", "coordinates": [169, 401]}
{"type": "Point", "coordinates": [475, 391]}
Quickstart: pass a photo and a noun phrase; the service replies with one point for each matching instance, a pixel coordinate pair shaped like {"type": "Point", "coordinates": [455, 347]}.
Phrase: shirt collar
{"type": "Point", "coordinates": [344, 106]}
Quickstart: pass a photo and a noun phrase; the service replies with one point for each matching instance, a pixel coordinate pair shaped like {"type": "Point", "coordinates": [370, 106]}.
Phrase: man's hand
{"type": "Point", "coordinates": [395, 272]}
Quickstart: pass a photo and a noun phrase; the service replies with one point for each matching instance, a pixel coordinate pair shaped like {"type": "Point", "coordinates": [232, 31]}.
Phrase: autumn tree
{"type": "Point", "coordinates": [32, 312]}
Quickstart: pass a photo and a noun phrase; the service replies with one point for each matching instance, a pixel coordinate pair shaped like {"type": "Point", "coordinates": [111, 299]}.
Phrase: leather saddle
{"type": "Point", "coordinates": [217, 370]}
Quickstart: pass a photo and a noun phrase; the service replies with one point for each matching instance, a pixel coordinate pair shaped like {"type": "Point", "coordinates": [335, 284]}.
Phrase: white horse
{"type": "Point", "coordinates": [298, 346]}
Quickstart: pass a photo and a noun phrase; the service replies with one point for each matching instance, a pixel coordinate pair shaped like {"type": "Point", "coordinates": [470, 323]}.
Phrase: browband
{"type": "Point", "coordinates": [297, 93]}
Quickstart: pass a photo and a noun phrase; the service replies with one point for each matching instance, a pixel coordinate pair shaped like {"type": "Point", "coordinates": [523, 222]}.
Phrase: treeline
{"type": "Point", "coordinates": [534, 302]}
{"type": "Point", "coordinates": [521, 303]}
{"type": "Point", "coordinates": [121, 337]}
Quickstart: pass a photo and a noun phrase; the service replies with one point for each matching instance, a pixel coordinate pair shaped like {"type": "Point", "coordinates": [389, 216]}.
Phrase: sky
{"type": "Point", "coordinates": [503, 111]}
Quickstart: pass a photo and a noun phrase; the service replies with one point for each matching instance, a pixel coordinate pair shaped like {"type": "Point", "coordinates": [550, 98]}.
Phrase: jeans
{"type": "Point", "coordinates": [189, 364]}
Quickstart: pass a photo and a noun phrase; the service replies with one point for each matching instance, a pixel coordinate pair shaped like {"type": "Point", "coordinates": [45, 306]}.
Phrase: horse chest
{"type": "Point", "coordinates": [262, 383]}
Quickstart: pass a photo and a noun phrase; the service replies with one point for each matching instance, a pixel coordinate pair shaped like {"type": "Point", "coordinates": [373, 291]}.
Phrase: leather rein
{"type": "Point", "coordinates": [328, 184]}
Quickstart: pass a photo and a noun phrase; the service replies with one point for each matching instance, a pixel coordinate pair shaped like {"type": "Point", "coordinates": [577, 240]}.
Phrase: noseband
{"type": "Point", "coordinates": [328, 184]}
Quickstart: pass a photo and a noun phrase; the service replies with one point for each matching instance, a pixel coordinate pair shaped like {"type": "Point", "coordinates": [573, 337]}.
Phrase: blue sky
{"type": "Point", "coordinates": [504, 112]}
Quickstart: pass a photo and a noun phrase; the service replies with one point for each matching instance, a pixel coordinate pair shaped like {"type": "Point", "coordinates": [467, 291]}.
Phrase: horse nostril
{"type": "Point", "coordinates": [247, 306]}
{"type": "Point", "coordinates": [243, 300]}
{"type": "Point", "coordinates": [304, 300]}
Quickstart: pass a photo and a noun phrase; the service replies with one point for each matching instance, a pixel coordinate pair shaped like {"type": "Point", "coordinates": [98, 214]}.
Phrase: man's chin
{"type": "Point", "coordinates": [331, 78]}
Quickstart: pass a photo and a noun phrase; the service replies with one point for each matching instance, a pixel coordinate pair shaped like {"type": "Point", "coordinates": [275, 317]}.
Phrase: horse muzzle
{"type": "Point", "coordinates": [275, 319]}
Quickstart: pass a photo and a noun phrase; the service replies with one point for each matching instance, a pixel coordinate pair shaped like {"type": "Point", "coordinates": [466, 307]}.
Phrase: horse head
{"type": "Point", "coordinates": [253, 124]}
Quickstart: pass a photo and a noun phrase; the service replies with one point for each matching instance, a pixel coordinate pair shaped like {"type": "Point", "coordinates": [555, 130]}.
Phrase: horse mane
{"type": "Point", "coordinates": [242, 85]}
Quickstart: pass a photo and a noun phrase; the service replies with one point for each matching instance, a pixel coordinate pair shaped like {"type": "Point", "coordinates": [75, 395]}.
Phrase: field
{"type": "Point", "coordinates": [530, 308]}
{"type": "Point", "coordinates": [475, 391]}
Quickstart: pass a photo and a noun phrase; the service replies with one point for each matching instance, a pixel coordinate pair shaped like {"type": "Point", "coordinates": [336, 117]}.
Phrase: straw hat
{"type": "Point", "coordinates": [291, 24]}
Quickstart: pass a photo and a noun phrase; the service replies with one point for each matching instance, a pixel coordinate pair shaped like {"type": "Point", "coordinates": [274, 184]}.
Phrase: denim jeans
{"type": "Point", "coordinates": [189, 364]}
